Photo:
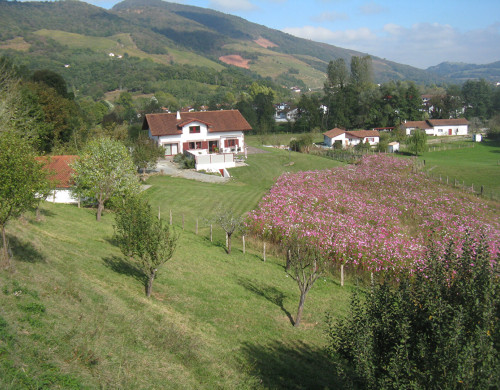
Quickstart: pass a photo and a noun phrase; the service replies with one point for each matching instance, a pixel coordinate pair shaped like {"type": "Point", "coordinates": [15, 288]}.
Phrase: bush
{"type": "Point", "coordinates": [436, 329]}
{"type": "Point", "coordinates": [184, 161]}
{"type": "Point", "coordinates": [301, 144]}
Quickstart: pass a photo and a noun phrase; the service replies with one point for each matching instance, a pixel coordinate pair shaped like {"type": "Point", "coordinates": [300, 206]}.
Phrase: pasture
{"type": "Point", "coordinates": [73, 311]}
{"type": "Point", "coordinates": [478, 166]}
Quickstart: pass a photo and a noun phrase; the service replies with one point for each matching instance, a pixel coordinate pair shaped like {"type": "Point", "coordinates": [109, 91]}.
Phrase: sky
{"type": "Point", "coordinates": [420, 33]}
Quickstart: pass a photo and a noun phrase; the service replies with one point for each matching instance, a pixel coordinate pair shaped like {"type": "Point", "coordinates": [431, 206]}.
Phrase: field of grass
{"type": "Point", "coordinates": [123, 43]}
{"type": "Point", "coordinates": [73, 312]}
{"type": "Point", "coordinates": [479, 165]}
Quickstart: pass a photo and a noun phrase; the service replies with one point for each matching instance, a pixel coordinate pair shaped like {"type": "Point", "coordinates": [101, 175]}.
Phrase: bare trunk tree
{"type": "Point", "coordinates": [149, 285]}
{"type": "Point", "coordinates": [100, 208]}
{"type": "Point", "coordinates": [305, 265]}
{"type": "Point", "coordinates": [6, 257]}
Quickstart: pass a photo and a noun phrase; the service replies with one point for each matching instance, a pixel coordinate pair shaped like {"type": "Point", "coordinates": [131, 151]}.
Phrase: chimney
{"type": "Point", "coordinates": [178, 116]}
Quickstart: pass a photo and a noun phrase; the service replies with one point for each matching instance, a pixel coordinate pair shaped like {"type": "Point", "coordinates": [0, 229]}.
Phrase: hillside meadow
{"type": "Point", "coordinates": [73, 311]}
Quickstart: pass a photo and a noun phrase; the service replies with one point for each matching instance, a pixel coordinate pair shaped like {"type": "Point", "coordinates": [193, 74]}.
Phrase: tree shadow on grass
{"type": "Point", "coordinates": [124, 267]}
{"type": "Point", "coordinates": [25, 251]}
{"type": "Point", "coordinates": [271, 293]}
{"type": "Point", "coordinates": [293, 365]}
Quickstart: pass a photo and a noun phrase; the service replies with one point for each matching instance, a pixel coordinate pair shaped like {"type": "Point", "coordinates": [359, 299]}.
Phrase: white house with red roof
{"type": "Point", "coordinates": [206, 131]}
{"type": "Point", "coordinates": [60, 177]}
{"type": "Point", "coordinates": [438, 127]}
{"type": "Point", "coordinates": [350, 138]}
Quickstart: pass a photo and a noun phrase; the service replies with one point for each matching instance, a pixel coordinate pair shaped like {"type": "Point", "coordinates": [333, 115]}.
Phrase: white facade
{"type": "Point", "coordinates": [195, 135]}
{"type": "Point", "coordinates": [331, 141]}
{"type": "Point", "coordinates": [61, 195]}
{"type": "Point", "coordinates": [450, 130]}
{"type": "Point", "coordinates": [213, 162]}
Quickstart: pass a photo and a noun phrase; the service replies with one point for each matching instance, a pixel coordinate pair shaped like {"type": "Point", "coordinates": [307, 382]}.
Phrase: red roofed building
{"type": "Point", "coordinates": [199, 132]}
{"type": "Point", "coordinates": [60, 175]}
{"type": "Point", "coordinates": [351, 138]}
{"type": "Point", "coordinates": [438, 127]}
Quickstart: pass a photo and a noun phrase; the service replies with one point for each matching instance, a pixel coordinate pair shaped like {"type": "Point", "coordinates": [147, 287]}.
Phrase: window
{"type": "Point", "coordinates": [231, 143]}
{"type": "Point", "coordinates": [195, 145]}
{"type": "Point", "coordinates": [194, 129]}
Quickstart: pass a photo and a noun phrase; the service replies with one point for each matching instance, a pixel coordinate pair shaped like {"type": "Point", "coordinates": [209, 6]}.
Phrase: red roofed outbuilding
{"type": "Point", "coordinates": [60, 176]}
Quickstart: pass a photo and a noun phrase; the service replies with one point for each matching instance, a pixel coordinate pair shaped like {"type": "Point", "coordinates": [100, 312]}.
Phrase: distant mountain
{"type": "Point", "coordinates": [180, 42]}
{"type": "Point", "coordinates": [460, 72]}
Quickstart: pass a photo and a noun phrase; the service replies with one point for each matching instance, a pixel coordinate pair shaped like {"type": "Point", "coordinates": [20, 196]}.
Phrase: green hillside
{"type": "Point", "coordinates": [73, 311]}
{"type": "Point", "coordinates": [50, 35]}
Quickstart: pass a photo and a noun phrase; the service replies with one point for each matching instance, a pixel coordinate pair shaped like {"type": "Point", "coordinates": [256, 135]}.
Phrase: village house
{"type": "Point", "coordinates": [438, 127]}
{"type": "Point", "coordinates": [350, 138]}
{"type": "Point", "coordinates": [60, 177]}
{"type": "Point", "coordinates": [212, 137]}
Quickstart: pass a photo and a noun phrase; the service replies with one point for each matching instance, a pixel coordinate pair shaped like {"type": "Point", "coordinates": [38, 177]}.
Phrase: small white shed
{"type": "Point", "coordinates": [393, 147]}
{"type": "Point", "coordinates": [477, 137]}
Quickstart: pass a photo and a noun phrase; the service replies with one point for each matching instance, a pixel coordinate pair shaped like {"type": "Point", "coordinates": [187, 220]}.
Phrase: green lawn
{"type": "Point", "coordinates": [73, 313]}
{"type": "Point", "coordinates": [479, 165]}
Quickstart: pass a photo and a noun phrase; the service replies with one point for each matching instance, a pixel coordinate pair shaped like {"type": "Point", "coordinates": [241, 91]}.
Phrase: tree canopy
{"type": "Point", "coordinates": [105, 169]}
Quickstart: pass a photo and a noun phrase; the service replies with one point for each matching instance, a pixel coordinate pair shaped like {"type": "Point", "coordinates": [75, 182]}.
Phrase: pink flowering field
{"type": "Point", "coordinates": [378, 215]}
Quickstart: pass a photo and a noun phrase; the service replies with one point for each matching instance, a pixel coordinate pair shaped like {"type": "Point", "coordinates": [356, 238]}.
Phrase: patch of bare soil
{"type": "Point", "coordinates": [265, 42]}
{"type": "Point", "coordinates": [235, 60]}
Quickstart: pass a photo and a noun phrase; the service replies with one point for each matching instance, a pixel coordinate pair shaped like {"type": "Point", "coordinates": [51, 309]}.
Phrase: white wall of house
{"type": "Point", "coordinates": [175, 143]}
{"type": "Point", "coordinates": [61, 195]}
{"type": "Point", "coordinates": [450, 130]}
{"type": "Point", "coordinates": [214, 162]}
{"type": "Point", "coordinates": [372, 140]}
{"type": "Point", "coordinates": [410, 130]}
{"type": "Point", "coordinates": [330, 141]}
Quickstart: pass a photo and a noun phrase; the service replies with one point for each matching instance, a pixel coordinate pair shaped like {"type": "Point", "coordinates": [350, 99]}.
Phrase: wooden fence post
{"type": "Point", "coordinates": [170, 216]}
{"type": "Point", "coordinates": [482, 189]}
{"type": "Point", "coordinates": [211, 237]}
{"type": "Point", "coordinates": [342, 275]}
{"type": "Point", "coordinates": [264, 255]}
{"type": "Point", "coordinates": [243, 239]}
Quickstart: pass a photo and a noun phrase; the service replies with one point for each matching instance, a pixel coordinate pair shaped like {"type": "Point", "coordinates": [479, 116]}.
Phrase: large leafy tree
{"type": "Point", "coordinates": [146, 152]}
{"type": "Point", "coordinates": [144, 238]}
{"type": "Point", "coordinates": [22, 181]}
{"type": "Point", "coordinates": [104, 169]}
{"type": "Point", "coordinates": [417, 142]}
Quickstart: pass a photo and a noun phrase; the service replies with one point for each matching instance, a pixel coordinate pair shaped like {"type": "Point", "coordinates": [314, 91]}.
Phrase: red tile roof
{"type": "Point", "coordinates": [363, 133]}
{"type": "Point", "coordinates": [448, 122]}
{"type": "Point", "coordinates": [417, 125]}
{"type": "Point", "coordinates": [59, 168]}
{"type": "Point", "coordinates": [334, 132]}
{"type": "Point", "coordinates": [218, 121]}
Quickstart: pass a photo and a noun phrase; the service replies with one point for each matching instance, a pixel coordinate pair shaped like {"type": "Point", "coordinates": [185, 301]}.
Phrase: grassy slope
{"type": "Point", "coordinates": [123, 43]}
{"type": "Point", "coordinates": [215, 321]}
{"type": "Point", "coordinates": [478, 165]}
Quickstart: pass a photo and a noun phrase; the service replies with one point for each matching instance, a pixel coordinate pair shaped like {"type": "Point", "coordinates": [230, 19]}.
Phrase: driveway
{"type": "Point", "coordinates": [170, 168]}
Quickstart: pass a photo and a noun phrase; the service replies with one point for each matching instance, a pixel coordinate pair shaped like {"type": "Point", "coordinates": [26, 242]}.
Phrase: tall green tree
{"type": "Point", "coordinates": [22, 181]}
{"type": "Point", "coordinates": [417, 141]}
{"type": "Point", "coordinates": [144, 238]}
{"type": "Point", "coordinates": [477, 96]}
{"type": "Point", "coordinates": [146, 152]}
{"type": "Point", "coordinates": [105, 169]}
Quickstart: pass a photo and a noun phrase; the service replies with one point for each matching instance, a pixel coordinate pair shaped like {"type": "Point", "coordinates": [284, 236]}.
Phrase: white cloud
{"type": "Point", "coordinates": [420, 44]}
{"type": "Point", "coordinates": [334, 37]}
{"type": "Point", "coordinates": [330, 17]}
{"type": "Point", "coordinates": [232, 5]}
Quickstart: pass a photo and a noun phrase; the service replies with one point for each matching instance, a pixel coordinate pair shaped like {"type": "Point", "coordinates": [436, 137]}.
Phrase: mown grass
{"type": "Point", "coordinates": [478, 165]}
{"type": "Point", "coordinates": [73, 311]}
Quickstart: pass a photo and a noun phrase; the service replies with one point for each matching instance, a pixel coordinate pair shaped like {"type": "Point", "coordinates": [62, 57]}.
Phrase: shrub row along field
{"type": "Point", "coordinates": [379, 215]}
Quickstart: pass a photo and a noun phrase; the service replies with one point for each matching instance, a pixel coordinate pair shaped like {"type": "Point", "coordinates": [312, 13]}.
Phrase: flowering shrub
{"type": "Point", "coordinates": [378, 215]}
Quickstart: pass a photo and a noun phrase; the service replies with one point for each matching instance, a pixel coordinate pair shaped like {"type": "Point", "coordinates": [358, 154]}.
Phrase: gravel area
{"type": "Point", "coordinates": [169, 168]}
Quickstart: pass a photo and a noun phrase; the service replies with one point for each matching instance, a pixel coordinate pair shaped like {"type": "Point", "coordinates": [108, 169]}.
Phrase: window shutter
{"type": "Point", "coordinates": [226, 143]}
{"type": "Point", "coordinates": [185, 146]}
{"type": "Point", "coordinates": [237, 142]}
{"type": "Point", "coordinates": [204, 145]}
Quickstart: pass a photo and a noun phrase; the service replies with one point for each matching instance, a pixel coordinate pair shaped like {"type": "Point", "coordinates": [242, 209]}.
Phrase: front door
{"type": "Point", "coordinates": [213, 146]}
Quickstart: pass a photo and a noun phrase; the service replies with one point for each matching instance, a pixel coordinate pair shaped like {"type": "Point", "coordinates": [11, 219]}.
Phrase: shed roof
{"type": "Point", "coordinates": [334, 132]}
